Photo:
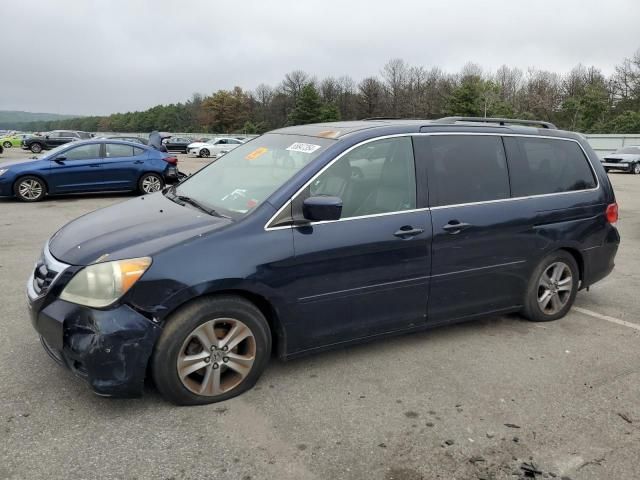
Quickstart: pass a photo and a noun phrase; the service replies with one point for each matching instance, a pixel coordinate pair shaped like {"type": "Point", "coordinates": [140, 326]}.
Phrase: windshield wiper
{"type": "Point", "coordinates": [183, 199]}
{"type": "Point", "coordinates": [200, 206]}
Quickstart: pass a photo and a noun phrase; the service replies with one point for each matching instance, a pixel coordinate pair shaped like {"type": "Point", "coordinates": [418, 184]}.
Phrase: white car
{"type": "Point", "coordinates": [215, 148]}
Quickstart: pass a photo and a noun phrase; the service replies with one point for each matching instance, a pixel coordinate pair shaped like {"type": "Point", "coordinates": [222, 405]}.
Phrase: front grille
{"type": "Point", "coordinates": [43, 276]}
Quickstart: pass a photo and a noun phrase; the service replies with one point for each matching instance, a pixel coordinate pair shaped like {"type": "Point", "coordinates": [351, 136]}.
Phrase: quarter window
{"type": "Point", "coordinates": [83, 152]}
{"type": "Point", "coordinates": [378, 177]}
{"type": "Point", "coordinates": [545, 165]}
{"type": "Point", "coordinates": [466, 169]}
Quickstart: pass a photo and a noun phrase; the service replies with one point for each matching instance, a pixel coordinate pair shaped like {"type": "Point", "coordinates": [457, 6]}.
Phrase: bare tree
{"type": "Point", "coordinates": [395, 74]}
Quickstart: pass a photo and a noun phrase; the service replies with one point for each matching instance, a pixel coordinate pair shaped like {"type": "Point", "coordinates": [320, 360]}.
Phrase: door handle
{"type": "Point", "coordinates": [408, 231]}
{"type": "Point", "coordinates": [454, 227]}
{"type": "Point", "coordinates": [139, 161]}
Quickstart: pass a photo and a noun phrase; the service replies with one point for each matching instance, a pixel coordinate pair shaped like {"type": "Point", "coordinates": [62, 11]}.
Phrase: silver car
{"type": "Point", "coordinates": [627, 159]}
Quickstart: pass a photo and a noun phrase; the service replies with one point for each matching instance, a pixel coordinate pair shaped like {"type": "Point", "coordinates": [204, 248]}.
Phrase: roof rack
{"type": "Point", "coordinates": [500, 121]}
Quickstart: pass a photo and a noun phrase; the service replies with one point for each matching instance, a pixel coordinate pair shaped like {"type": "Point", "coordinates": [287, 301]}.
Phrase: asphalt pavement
{"type": "Point", "coordinates": [482, 400]}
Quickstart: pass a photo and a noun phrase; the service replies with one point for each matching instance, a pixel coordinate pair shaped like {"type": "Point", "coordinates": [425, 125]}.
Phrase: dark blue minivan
{"type": "Point", "coordinates": [88, 166]}
{"type": "Point", "coordinates": [316, 236]}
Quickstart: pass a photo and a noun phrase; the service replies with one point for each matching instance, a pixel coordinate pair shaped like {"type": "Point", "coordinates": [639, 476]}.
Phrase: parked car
{"type": "Point", "coordinates": [140, 140]}
{"type": "Point", "coordinates": [53, 139]}
{"type": "Point", "coordinates": [626, 159]}
{"type": "Point", "coordinates": [177, 144]}
{"type": "Point", "coordinates": [215, 148]}
{"type": "Point", "coordinates": [1, 150]}
{"type": "Point", "coordinates": [318, 236]}
{"type": "Point", "coordinates": [199, 143]}
{"type": "Point", "coordinates": [88, 166]}
{"type": "Point", "coordinates": [13, 140]}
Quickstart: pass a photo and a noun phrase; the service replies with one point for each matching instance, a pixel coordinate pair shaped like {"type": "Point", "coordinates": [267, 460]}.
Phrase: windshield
{"type": "Point", "coordinates": [242, 179]}
{"type": "Point", "coordinates": [632, 150]}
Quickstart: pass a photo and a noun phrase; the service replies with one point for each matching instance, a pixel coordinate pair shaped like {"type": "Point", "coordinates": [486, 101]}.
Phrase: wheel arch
{"type": "Point", "coordinates": [578, 257]}
{"type": "Point", "coordinates": [266, 307]}
{"type": "Point", "coordinates": [20, 176]}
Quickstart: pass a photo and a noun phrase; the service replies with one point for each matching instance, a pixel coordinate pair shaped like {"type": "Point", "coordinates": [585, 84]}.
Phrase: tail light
{"type": "Point", "coordinates": [612, 213]}
{"type": "Point", "coordinates": [171, 160]}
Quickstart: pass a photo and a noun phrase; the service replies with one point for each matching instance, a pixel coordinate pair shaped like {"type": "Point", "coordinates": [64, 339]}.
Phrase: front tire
{"type": "Point", "coordinates": [150, 182]}
{"type": "Point", "coordinates": [552, 288]}
{"type": "Point", "coordinates": [204, 153]}
{"type": "Point", "coordinates": [30, 189]}
{"type": "Point", "coordinates": [211, 350]}
{"type": "Point", "coordinates": [35, 148]}
{"type": "Point", "coordinates": [635, 168]}
{"type": "Point", "coordinates": [7, 145]}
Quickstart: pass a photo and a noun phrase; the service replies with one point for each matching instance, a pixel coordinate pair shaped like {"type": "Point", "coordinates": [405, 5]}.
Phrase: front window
{"type": "Point", "coordinates": [243, 178]}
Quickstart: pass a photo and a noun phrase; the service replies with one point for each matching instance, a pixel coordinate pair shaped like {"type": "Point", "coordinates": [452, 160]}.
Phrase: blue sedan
{"type": "Point", "coordinates": [88, 166]}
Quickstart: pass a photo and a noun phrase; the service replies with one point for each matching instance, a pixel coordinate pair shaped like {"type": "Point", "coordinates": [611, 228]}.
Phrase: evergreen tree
{"type": "Point", "coordinates": [308, 108]}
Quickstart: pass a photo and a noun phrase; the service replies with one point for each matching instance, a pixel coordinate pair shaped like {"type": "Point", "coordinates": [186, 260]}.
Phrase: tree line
{"type": "Point", "coordinates": [584, 99]}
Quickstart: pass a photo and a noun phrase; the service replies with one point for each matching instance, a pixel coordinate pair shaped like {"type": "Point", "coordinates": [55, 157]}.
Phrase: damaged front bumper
{"type": "Point", "coordinates": [110, 348]}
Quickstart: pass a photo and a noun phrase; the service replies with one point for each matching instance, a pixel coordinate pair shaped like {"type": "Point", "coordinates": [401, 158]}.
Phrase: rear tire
{"type": "Point", "coordinates": [30, 189]}
{"type": "Point", "coordinates": [36, 147]}
{"type": "Point", "coordinates": [150, 183]}
{"type": "Point", "coordinates": [181, 349]}
{"type": "Point", "coordinates": [552, 288]}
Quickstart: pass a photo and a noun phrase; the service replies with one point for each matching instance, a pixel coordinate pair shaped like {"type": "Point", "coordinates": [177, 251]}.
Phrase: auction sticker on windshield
{"type": "Point", "coordinates": [256, 153]}
{"type": "Point", "coordinates": [303, 147]}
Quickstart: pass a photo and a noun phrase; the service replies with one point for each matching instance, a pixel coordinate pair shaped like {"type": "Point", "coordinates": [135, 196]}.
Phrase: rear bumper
{"type": "Point", "coordinates": [109, 349]}
{"type": "Point", "coordinates": [600, 261]}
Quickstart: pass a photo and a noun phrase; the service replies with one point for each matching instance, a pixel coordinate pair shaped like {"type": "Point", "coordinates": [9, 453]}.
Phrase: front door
{"type": "Point", "coordinates": [481, 238]}
{"type": "Point", "coordinates": [76, 169]}
{"type": "Point", "coordinates": [367, 273]}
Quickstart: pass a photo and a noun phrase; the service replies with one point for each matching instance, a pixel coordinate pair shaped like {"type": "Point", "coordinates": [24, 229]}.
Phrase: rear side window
{"type": "Point", "coordinates": [466, 169]}
{"type": "Point", "coordinates": [118, 150]}
{"type": "Point", "coordinates": [544, 165]}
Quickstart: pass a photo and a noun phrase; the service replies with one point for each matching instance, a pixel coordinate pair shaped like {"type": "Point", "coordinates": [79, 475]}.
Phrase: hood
{"type": "Point", "coordinates": [197, 144]}
{"type": "Point", "coordinates": [136, 228]}
{"type": "Point", "coordinates": [15, 163]}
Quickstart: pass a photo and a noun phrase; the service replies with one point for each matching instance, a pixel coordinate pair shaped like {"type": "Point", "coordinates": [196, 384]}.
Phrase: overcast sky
{"type": "Point", "coordinates": [100, 57]}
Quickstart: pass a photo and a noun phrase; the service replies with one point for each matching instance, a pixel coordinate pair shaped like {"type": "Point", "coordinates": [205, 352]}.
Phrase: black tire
{"type": "Point", "coordinates": [36, 193]}
{"type": "Point", "coordinates": [635, 168]}
{"type": "Point", "coordinates": [36, 147]}
{"type": "Point", "coordinates": [147, 180]}
{"type": "Point", "coordinates": [7, 145]}
{"type": "Point", "coordinates": [180, 326]}
{"type": "Point", "coordinates": [532, 309]}
{"type": "Point", "coordinates": [204, 152]}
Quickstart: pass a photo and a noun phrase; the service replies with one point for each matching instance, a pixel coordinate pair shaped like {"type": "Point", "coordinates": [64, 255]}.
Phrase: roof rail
{"type": "Point", "coordinates": [500, 121]}
{"type": "Point", "coordinates": [381, 118]}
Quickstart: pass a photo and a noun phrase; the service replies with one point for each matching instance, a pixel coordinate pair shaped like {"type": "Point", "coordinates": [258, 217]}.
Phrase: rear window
{"type": "Point", "coordinates": [545, 165]}
{"type": "Point", "coordinates": [466, 169]}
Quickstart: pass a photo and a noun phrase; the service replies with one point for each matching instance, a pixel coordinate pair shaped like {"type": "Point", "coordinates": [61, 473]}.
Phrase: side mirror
{"type": "Point", "coordinates": [322, 208]}
{"type": "Point", "coordinates": [60, 159]}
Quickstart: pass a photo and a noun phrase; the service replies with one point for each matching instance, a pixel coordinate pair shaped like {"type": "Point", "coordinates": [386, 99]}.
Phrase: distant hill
{"type": "Point", "coordinates": [15, 119]}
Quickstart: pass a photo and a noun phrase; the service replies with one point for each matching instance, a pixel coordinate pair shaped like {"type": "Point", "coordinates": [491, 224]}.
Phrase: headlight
{"type": "Point", "coordinates": [101, 284]}
{"type": "Point", "coordinates": [3, 171]}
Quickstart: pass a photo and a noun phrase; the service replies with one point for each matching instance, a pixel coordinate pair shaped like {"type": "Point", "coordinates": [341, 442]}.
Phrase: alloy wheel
{"type": "Point", "coordinates": [7, 145]}
{"type": "Point", "coordinates": [36, 148]}
{"type": "Point", "coordinates": [636, 168]}
{"type": "Point", "coordinates": [30, 189]}
{"type": "Point", "coordinates": [216, 356]}
{"type": "Point", "coordinates": [204, 152]}
{"type": "Point", "coordinates": [151, 184]}
{"type": "Point", "coordinates": [554, 288]}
